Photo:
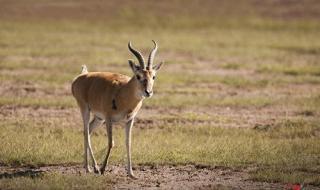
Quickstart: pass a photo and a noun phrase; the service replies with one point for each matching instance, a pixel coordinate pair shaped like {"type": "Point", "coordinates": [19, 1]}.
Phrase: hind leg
{"type": "Point", "coordinates": [96, 122]}
{"type": "Point", "coordinates": [85, 113]}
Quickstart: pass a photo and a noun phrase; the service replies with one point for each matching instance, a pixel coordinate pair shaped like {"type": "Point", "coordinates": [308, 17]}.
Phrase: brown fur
{"type": "Point", "coordinates": [99, 89]}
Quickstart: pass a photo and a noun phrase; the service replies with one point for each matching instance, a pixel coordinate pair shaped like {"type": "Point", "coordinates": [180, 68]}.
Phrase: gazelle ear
{"type": "Point", "coordinates": [133, 66]}
{"type": "Point", "coordinates": [157, 66]}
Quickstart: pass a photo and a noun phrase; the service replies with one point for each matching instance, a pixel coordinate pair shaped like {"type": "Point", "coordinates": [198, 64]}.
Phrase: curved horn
{"type": "Point", "coordinates": [137, 54]}
{"type": "Point", "coordinates": [152, 54]}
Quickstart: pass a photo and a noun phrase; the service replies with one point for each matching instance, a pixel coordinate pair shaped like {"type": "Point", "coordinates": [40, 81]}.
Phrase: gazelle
{"type": "Point", "coordinates": [111, 98]}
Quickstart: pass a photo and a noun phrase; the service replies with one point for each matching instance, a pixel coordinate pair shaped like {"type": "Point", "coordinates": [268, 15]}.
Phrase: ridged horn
{"type": "Point", "coordinates": [137, 54]}
{"type": "Point", "coordinates": [152, 54]}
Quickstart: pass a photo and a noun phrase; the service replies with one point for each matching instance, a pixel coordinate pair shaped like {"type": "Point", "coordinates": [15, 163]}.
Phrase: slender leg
{"type": "Point", "coordinates": [86, 117]}
{"type": "Point", "coordinates": [96, 122]}
{"type": "Point", "coordinates": [110, 146]}
{"type": "Point", "coordinates": [128, 146]}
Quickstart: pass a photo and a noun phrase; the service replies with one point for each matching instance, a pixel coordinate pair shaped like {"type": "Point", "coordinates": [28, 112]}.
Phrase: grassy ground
{"type": "Point", "coordinates": [239, 88]}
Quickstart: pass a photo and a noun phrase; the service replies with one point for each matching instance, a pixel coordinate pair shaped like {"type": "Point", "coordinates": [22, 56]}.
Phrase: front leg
{"type": "Point", "coordinates": [128, 146]}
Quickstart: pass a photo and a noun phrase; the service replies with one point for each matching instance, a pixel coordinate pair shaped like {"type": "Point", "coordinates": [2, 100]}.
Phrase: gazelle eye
{"type": "Point", "coordinates": [154, 77]}
{"type": "Point", "coordinates": [138, 77]}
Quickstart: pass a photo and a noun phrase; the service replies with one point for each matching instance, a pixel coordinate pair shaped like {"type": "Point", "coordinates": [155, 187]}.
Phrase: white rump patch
{"type": "Point", "coordinates": [84, 69]}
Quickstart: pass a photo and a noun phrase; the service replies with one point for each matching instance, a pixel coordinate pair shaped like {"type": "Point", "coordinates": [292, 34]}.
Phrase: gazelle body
{"type": "Point", "coordinates": [111, 98]}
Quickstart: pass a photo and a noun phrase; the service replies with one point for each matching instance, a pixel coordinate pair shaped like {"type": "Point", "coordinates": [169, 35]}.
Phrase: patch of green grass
{"type": "Point", "coordinates": [57, 181]}
{"type": "Point", "coordinates": [288, 177]}
{"type": "Point", "coordinates": [39, 145]}
{"type": "Point", "coordinates": [231, 66]}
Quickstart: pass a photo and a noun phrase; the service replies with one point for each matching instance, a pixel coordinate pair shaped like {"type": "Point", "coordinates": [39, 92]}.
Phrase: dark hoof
{"type": "Point", "coordinates": [102, 171]}
{"type": "Point", "coordinates": [96, 170]}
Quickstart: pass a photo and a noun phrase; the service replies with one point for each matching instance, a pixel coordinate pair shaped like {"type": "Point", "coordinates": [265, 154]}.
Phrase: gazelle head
{"type": "Point", "coordinates": [145, 75]}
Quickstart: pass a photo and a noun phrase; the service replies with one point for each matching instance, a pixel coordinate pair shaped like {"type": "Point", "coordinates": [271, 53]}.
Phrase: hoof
{"type": "Point", "coordinates": [102, 171]}
{"type": "Point", "coordinates": [88, 170]}
{"type": "Point", "coordinates": [97, 170]}
{"type": "Point", "coordinates": [132, 176]}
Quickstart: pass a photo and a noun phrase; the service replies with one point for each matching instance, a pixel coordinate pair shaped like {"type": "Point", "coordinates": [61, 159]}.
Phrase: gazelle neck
{"type": "Point", "coordinates": [130, 93]}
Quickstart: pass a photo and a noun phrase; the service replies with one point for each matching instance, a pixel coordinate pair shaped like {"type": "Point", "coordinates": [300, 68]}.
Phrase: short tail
{"type": "Point", "coordinates": [84, 69]}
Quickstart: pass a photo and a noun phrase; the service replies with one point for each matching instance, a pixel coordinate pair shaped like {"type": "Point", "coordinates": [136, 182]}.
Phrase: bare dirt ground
{"type": "Point", "coordinates": [159, 177]}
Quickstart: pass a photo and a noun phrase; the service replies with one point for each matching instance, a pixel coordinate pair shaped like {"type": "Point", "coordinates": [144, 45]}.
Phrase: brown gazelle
{"type": "Point", "coordinates": [111, 98]}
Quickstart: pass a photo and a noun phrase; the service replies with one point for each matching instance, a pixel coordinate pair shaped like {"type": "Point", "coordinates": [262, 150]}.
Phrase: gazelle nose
{"type": "Point", "coordinates": [148, 93]}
